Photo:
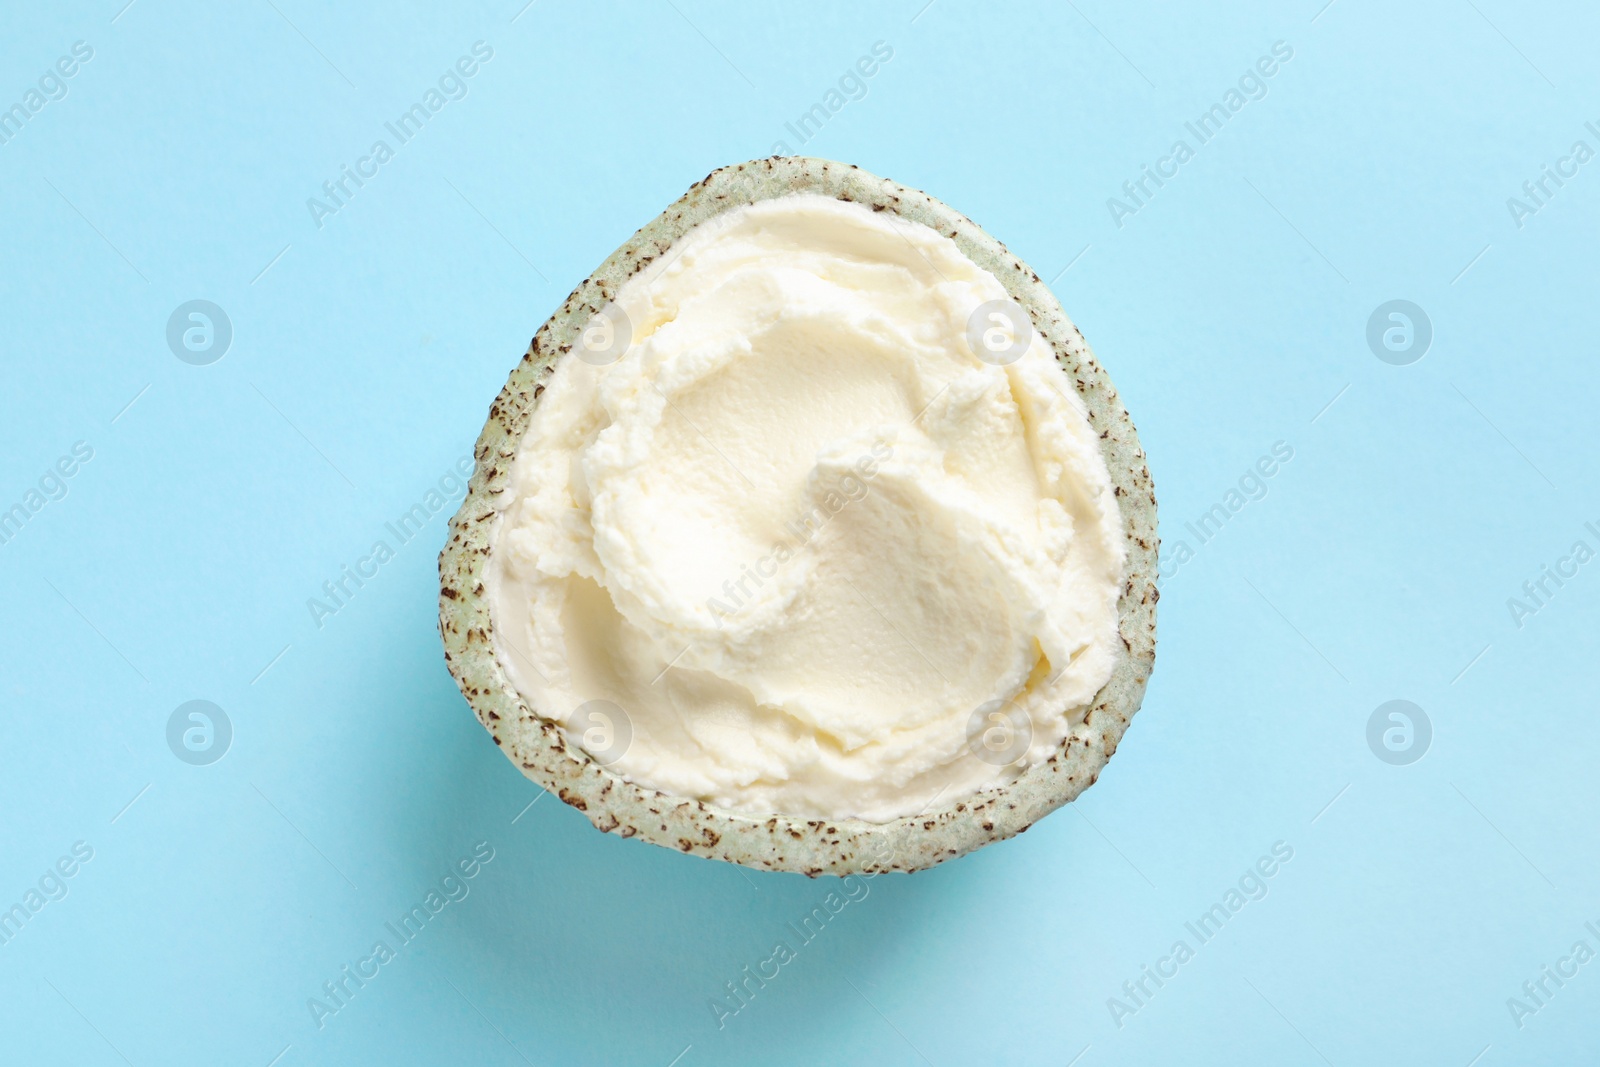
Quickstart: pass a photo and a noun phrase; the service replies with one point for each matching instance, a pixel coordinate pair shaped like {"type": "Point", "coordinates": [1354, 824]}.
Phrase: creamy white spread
{"type": "Point", "coordinates": [777, 538]}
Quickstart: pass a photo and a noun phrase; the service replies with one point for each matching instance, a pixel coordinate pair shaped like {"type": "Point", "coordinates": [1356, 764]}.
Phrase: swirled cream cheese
{"type": "Point", "coordinates": [777, 538]}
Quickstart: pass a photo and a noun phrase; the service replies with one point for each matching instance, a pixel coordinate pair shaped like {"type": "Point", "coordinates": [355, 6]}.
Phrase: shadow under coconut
{"type": "Point", "coordinates": [578, 947]}
{"type": "Point", "coordinates": [584, 947]}
{"type": "Point", "coordinates": [581, 947]}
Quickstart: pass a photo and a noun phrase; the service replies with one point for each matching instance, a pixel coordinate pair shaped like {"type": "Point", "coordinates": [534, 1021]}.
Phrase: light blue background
{"type": "Point", "coordinates": [1230, 310]}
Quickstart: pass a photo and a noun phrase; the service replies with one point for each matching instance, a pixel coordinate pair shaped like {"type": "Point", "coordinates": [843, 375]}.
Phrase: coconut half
{"type": "Point", "coordinates": [532, 739]}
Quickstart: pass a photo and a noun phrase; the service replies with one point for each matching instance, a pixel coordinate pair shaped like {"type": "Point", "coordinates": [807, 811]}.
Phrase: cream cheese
{"type": "Point", "coordinates": [810, 522]}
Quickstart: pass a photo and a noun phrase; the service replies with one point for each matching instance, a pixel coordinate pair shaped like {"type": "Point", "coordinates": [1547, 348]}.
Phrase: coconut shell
{"type": "Point", "coordinates": [530, 737]}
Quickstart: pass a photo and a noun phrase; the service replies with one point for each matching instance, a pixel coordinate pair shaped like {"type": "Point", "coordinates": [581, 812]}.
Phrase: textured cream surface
{"type": "Point", "coordinates": [797, 537]}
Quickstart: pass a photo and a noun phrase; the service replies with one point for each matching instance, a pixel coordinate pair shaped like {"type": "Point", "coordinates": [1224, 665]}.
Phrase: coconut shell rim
{"type": "Point", "coordinates": [536, 745]}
